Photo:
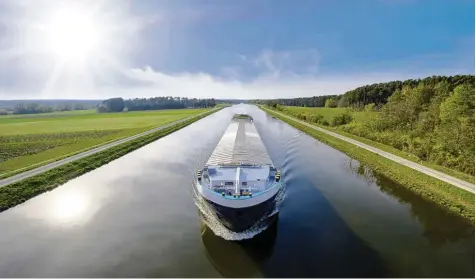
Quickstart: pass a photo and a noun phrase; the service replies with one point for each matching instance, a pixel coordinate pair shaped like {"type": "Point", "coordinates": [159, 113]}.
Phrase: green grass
{"type": "Point", "coordinates": [29, 142]}
{"type": "Point", "coordinates": [90, 121]}
{"type": "Point", "coordinates": [362, 116]}
{"type": "Point", "coordinates": [19, 192]}
{"type": "Point", "coordinates": [451, 198]}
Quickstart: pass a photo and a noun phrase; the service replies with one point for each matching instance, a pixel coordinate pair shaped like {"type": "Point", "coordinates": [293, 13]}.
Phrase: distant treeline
{"type": "Point", "coordinates": [377, 93]}
{"type": "Point", "coordinates": [44, 106]}
{"type": "Point", "coordinates": [316, 101]}
{"type": "Point", "coordinates": [432, 118]}
{"type": "Point", "coordinates": [157, 103]}
{"type": "Point", "coordinates": [231, 101]}
{"type": "Point", "coordinates": [33, 108]}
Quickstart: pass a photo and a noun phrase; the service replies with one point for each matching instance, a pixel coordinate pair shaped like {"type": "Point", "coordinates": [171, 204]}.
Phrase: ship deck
{"type": "Point", "coordinates": [240, 144]}
{"type": "Point", "coordinates": [240, 164]}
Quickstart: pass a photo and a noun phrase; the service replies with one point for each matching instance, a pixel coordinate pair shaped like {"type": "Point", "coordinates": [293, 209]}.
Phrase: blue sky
{"type": "Point", "coordinates": [240, 49]}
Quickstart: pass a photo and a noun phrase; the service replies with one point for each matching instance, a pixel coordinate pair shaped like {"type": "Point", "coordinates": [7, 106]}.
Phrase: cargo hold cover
{"type": "Point", "coordinates": [240, 144]}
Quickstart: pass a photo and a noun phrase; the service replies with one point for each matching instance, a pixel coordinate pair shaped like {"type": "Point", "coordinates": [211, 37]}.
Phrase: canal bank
{"type": "Point", "coordinates": [457, 201]}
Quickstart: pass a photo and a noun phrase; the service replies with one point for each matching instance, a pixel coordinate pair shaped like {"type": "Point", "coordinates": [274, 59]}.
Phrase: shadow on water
{"type": "Point", "coordinates": [314, 241]}
{"type": "Point", "coordinates": [239, 258]}
{"type": "Point", "coordinates": [308, 240]}
{"type": "Point", "coordinates": [440, 225]}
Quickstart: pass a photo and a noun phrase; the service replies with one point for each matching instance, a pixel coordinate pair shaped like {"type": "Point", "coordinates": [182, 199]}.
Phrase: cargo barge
{"type": "Point", "coordinates": [239, 183]}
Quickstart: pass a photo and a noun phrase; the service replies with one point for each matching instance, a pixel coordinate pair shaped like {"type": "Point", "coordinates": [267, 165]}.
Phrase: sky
{"type": "Point", "coordinates": [243, 49]}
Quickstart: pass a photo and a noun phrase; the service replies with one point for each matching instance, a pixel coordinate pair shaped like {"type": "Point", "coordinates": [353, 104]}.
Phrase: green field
{"type": "Point", "coordinates": [359, 118]}
{"type": "Point", "coordinates": [21, 191]}
{"type": "Point", "coordinates": [30, 140]}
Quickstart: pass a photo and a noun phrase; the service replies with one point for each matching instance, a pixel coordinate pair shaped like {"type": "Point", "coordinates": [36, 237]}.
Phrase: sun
{"type": "Point", "coordinates": [73, 34]}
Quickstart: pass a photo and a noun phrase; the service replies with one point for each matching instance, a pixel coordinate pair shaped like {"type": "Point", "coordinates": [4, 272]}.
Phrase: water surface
{"type": "Point", "coordinates": [135, 217]}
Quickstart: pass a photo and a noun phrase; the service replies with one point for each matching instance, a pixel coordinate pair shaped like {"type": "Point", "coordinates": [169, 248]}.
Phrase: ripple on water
{"type": "Point", "coordinates": [212, 221]}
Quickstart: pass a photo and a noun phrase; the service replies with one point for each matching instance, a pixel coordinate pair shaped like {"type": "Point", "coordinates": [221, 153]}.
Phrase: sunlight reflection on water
{"type": "Point", "coordinates": [69, 208]}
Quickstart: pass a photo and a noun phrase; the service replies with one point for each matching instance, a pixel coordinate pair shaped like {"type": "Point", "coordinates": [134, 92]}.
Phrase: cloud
{"type": "Point", "coordinates": [276, 63]}
{"type": "Point", "coordinates": [269, 73]}
{"type": "Point", "coordinates": [146, 82]}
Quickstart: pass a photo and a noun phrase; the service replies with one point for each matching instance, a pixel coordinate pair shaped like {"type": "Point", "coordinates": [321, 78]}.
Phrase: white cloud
{"type": "Point", "coordinates": [276, 74]}
{"type": "Point", "coordinates": [146, 82]}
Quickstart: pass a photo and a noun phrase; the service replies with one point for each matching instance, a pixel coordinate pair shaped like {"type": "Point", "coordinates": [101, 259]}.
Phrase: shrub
{"type": "Point", "coordinates": [341, 119]}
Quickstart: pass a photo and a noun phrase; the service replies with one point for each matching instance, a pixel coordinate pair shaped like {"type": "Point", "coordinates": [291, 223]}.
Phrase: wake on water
{"type": "Point", "coordinates": [212, 221]}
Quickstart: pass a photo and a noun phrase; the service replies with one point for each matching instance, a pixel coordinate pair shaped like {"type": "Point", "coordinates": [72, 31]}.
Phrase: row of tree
{"type": "Point", "coordinates": [156, 103]}
{"type": "Point", "coordinates": [435, 122]}
{"type": "Point", "coordinates": [377, 93]}
{"type": "Point", "coordinates": [316, 101]}
{"type": "Point", "coordinates": [32, 108]}
{"type": "Point", "coordinates": [432, 121]}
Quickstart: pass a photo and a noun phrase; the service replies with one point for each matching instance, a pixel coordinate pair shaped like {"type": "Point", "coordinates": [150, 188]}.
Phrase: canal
{"type": "Point", "coordinates": [135, 217]}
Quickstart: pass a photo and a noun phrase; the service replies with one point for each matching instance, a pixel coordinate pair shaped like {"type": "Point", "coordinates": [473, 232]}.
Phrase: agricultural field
{"type": "Point", "coordinates": [30, 140]}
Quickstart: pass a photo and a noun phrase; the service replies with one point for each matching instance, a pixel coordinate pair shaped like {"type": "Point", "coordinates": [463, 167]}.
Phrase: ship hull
{"type": "Point", "coordinates": [242, 219]}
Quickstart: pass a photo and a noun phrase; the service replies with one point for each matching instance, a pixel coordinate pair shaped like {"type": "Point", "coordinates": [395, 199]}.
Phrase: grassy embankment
{"type": "Point", "coordinates": [448, 196]}
{"type": "Point", "coordinates": [19, 192]}
{"type": "Point", "coordinates": [363, 116]}
{"type": "Point", "coordinates": [29, 141]}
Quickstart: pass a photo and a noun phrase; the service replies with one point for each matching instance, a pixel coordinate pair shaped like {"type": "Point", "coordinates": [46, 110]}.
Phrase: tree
{"type": "Point", "coordinates": [331, 103]}
{"type": "Point", "coordinates": [343, 102]}
{"type": "Point", "coordinates": [114, 104]}
{"type": "Point", "coordinates": [459, 104]}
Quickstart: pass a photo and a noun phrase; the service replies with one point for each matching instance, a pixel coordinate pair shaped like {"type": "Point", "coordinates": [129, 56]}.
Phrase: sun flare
{"type": "Point", "coordinates": [70, 47]}
{"type": "Point", "coordinates": [73, 34]}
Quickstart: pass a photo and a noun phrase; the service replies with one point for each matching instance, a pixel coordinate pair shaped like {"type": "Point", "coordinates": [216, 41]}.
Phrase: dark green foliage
{"type": "Point", "coordinates": [112, 105]}
{"type": "Point", "coordinates": [31, 108]}
{"type": "Point", "coordinates": [317, 101]}
{"type": "Point", "coordinates": [377, 93]}
{"type": "Point", "coordinates": [167, 103]}
{"type": "Point", "coordinates": [36, 107]}
{"type": "Point", "coordinates": [54, 103]}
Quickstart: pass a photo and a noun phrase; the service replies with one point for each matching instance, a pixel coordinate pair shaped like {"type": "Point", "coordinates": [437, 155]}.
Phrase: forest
{"type": "Point", "coordinates": [33, 108]}
{"type": "Point", "coordinates": [377, 93]}
{"type": "Point", "coordinates": [156, 103]}
{"type": "Point", "coordinates": [431, 118]}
